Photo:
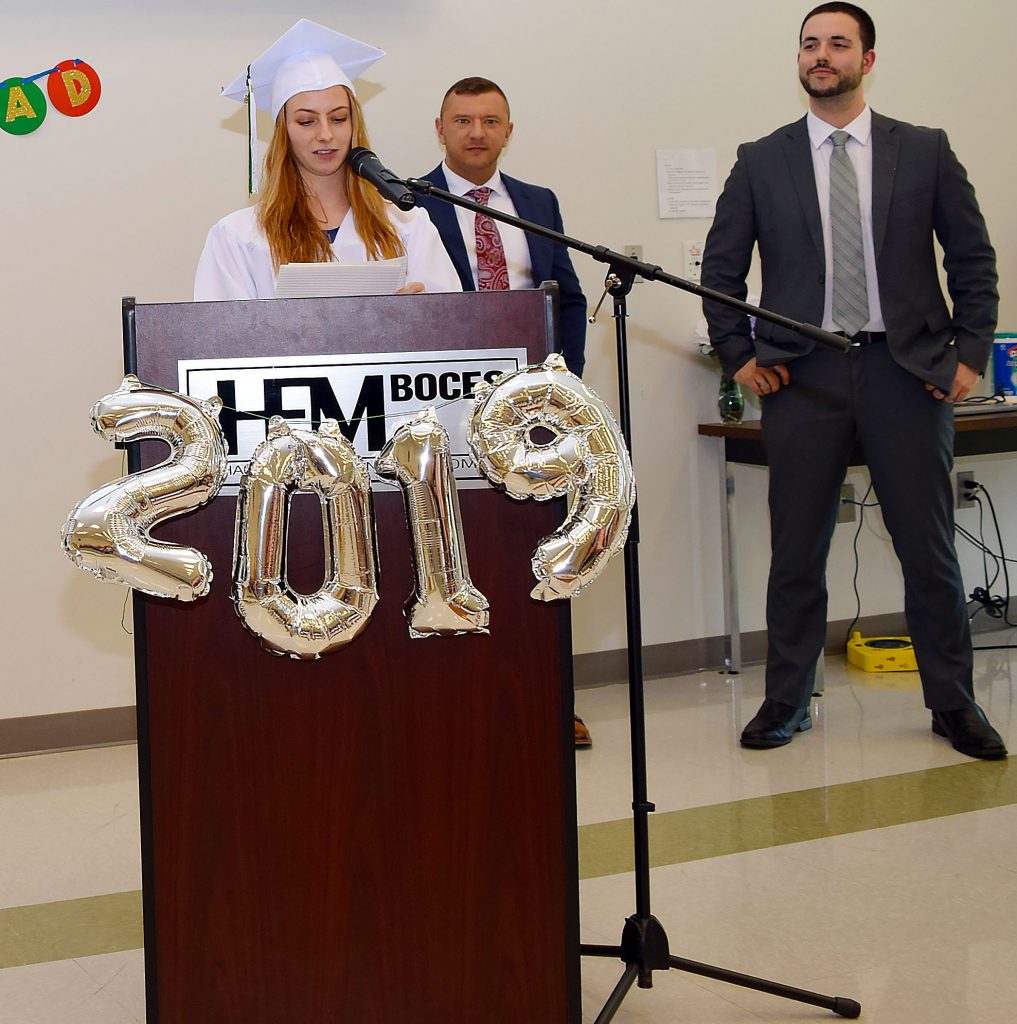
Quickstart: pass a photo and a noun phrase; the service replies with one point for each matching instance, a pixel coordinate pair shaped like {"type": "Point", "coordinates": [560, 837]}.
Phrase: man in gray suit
{"type": "Point", "coordinates": [844, 206]}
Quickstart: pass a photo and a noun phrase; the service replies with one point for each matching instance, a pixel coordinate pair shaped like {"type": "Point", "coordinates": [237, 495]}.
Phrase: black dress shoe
{"type": "Point", "coordinates": [774, 725]}
{"type": "Point", "coordinates": [968, 730]}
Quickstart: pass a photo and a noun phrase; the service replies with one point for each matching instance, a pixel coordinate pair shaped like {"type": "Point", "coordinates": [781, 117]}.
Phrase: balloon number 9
{"type": "Point", "coordinates": [586, 457]}
{"type": "Point", "coordinates": [108, 534]}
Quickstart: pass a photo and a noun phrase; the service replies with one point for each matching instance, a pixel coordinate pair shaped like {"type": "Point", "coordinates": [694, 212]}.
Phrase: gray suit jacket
{"type": "Point", "coordinates": [919, 191]}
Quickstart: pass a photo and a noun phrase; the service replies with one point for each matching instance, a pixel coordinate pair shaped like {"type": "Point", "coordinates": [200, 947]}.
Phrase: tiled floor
{"type": "Point", "coordinates": [867, 860]}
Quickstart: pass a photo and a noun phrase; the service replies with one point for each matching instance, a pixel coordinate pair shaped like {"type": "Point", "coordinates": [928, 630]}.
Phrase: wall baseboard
{"type": "Point", "coordinates": [71, 730]}
{"type": "Point", "coordinates": [683, 656]}
{"type": "Point", "coordinates": [102, 727]}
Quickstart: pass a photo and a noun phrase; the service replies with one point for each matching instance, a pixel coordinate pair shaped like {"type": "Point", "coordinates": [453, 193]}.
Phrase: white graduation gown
{"type": "Point", "coordinates": [236, 263]}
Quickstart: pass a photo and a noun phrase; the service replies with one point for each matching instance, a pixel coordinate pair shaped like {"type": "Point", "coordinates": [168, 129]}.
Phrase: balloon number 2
{"type": "Point", "coordinates": [108, 533]}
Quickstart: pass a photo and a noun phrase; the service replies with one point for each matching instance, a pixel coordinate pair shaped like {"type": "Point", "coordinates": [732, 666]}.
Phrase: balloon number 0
{"type": "Point", "coordinates": [108, 533]}
{"type": "Point", "coordinates": [324, 463]}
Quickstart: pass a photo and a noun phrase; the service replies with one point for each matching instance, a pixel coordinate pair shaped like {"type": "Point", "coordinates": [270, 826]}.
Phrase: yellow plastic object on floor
{"type": "Point", "coordinates": [881, 653]}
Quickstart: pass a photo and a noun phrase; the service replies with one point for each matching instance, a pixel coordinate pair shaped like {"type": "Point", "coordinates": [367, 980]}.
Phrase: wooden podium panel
{"type": "Point", "coordinates": [388, 834]}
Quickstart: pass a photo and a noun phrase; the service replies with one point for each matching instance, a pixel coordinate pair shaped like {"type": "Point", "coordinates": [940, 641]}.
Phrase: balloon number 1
{"type": "Point", "coordinates": [419, 459]}
{"type": "Point", "coordinates": [108, 533]}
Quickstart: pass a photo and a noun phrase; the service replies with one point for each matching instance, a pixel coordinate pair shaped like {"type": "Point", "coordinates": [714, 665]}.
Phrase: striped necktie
{"type": "Point", "coordinates": [850, 299]}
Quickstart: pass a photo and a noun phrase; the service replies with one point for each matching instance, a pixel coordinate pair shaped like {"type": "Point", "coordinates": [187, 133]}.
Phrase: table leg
{"type": "Point", "coordinates": [732, 621]}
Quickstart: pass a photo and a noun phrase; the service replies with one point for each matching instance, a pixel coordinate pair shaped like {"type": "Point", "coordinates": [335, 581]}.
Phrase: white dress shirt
{"type": "Point", "coordinates": [513, 240]}
{"type": "Point", "coordinates": [859, 149]}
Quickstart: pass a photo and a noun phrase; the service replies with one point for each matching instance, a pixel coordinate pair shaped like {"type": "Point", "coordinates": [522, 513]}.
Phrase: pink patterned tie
{"type": "Point", "coordinates": [492, 271]}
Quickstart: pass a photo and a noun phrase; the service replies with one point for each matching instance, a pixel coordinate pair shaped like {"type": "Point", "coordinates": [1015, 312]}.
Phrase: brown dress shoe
{"type": "Point", "coordinates": [969, 732]}
{"type": "Point", "coordinates": [583, 737]}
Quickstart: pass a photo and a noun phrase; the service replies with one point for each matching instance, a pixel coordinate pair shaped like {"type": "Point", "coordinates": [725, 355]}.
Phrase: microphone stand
{"type": "Point", "coordinates": [644, 946]}
{"type": "Point", "coordinates": [625, 269]}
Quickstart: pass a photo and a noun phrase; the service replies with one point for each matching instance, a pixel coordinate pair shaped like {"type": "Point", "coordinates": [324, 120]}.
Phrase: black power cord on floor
{"type": "Point", "coordinates": [862, 506]}
{"type": "Point", "coordinates": [994, 606]}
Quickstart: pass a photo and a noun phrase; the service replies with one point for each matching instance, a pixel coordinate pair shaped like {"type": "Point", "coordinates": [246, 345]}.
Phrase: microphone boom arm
{"type": "Point", "coordinates": [627, 268]}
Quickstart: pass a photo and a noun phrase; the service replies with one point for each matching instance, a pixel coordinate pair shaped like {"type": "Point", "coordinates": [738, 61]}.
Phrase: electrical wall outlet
{"type": "Point", "coordinates": [693, 260]}
{"type": "Point", "coordinates": [847, 512]}
{"type": "Point", "coordinates": [963, 478]}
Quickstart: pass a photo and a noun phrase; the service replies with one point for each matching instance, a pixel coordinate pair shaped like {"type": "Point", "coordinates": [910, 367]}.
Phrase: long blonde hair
{"type": "Point", "coordinates": [284, 214]}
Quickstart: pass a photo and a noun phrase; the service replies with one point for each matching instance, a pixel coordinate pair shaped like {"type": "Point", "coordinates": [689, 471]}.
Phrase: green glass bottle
{"type": "Point", "coordinates": [730, 401]}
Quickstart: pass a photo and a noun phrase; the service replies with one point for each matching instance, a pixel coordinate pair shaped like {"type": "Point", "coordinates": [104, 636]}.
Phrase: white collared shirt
{"type": "Point", "coordinates": [859, 149]}
{"type": "Point", "coordinates": [513, 240]}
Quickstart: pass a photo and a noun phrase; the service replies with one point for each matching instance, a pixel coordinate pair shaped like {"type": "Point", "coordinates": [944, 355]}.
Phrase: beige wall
{"type": "Point", "coordinates": [118, 203]}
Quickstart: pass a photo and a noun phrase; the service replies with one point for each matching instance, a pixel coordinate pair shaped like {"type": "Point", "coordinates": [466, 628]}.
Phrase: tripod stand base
{"type": "Point", "coordinates": [644, 949]}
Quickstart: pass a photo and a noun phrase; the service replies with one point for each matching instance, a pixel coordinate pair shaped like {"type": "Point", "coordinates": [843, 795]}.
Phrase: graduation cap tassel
{"type": "Point", "coordinates": [306, 58]}
{"type": "Point", "coordinates": [252, 138]}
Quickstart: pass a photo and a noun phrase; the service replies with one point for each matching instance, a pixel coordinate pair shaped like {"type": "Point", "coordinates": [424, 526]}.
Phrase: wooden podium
{"type": "Point", "coordinates": [387, 835]}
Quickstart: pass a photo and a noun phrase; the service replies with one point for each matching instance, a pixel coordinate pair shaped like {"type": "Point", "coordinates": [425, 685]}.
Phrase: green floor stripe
{"type": "Point", "coordinates": [70, 928]}
{"type": "Point", "coordinates": [112, 923]}
{"type": "Point", "coordinates": [763, 822]}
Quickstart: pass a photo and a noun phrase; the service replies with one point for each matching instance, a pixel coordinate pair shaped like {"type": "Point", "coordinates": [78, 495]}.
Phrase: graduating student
{"type": "Point", "coordinates": [312, 208]}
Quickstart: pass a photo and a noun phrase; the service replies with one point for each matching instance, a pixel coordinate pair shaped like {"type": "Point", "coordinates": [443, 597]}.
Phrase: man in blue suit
{"type": "Point", "coordinates": [474, 127]}
{"type": "Point", "coordinates": [844, 206]}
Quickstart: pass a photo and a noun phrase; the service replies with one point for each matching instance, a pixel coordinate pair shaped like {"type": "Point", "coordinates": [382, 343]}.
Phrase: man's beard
{"type": "Point", "coordinates": [844, 82]}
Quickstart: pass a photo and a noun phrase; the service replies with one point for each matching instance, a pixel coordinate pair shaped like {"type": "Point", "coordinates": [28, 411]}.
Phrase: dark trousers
{"type": "Point", "coordinates": [809, 429]}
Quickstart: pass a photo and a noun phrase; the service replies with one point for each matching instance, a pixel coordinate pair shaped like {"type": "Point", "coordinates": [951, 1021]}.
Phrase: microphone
{"type": "Point", "coordinates": [367, 166]}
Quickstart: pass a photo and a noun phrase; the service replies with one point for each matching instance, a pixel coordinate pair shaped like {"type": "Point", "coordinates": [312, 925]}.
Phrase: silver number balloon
{"type": "Point", "coordinates": [108, 533]}
{"type": "Point", "coordinates": [586, 457]}
{"type": "Point", "coordinates": [324, 463]}
{"type": "Point", "coordinates": [418, 458]}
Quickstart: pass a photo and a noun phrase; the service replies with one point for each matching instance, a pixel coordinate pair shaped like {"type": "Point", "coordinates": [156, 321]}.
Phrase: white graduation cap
{"type": "Point", "coordinates": [306, 58]}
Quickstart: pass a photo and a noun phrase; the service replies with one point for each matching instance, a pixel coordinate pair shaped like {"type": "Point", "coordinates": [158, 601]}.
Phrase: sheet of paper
{"type": "Point", "coordinates": [323, 280]}
{"type": "Point", "coordinates": [686, 182]}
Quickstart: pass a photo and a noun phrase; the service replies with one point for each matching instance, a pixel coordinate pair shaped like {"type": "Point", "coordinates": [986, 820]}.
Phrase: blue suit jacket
{"type": "Point", "coordinates": [550, 262]}
{"type": "Point", "coordinates": [919, 192]}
